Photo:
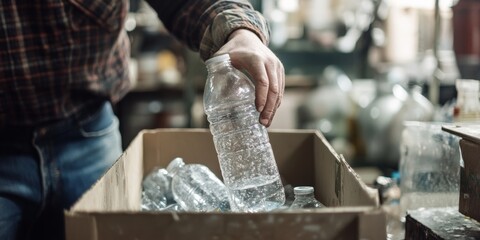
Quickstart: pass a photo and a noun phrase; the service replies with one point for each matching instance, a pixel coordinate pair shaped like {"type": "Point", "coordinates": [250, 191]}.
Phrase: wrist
{"type": "Point", "coordinates": [244, 32]}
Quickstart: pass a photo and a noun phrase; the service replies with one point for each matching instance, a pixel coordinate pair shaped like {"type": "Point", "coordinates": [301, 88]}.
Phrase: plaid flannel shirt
{"type": "Point", "coordinates": [59, 57]}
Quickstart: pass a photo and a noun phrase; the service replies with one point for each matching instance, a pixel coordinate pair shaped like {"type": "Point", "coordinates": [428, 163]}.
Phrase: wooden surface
{"type": "Point", "coordinates": [440, 223]}
{"type": "Point", "coordinates": [469, 201]}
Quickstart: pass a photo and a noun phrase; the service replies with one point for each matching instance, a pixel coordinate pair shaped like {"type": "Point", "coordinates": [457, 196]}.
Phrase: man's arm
{"type": "Point", "coordinates": [234, 27]}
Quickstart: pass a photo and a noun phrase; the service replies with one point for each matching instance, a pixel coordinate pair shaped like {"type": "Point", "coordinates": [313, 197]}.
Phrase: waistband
{"type": "Point", "coordinates": [26, 134]}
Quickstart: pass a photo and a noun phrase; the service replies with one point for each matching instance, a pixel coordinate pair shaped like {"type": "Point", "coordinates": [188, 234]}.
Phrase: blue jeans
{"type": "Point", "coordinates": [45, 170]}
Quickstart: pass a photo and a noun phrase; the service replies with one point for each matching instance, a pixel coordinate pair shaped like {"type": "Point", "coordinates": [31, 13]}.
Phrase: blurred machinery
{"type": "Point", "coordinates": [363, 119]}
{"type": "Point", "coordinates": [465, 37]}
{"type": "Point", "coordinates": [410, 75]}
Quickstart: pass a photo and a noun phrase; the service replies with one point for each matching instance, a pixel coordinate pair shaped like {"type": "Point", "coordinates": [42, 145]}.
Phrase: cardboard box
{"type": "Point", "coordinates": [469, 202]}
{"type": "Point", "coordinates": [111, 208]}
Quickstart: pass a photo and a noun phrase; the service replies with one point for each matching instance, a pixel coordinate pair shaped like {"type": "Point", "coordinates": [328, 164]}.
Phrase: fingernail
{"type": "Point", "coordinates": [264, 121]}
{"type": "Point", "coordinates": [260, 109]}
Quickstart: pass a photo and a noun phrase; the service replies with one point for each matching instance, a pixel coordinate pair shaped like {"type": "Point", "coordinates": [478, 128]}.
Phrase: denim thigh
{"type": "Point", "coordinates": [60, 163]}
{"type": "Point", "coordinates": [20, 194]}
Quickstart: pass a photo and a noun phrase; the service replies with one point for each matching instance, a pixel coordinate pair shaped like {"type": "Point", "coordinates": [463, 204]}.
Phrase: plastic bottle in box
{"type": "Point", "coordinates": [244, 152]}
{"type": "Point", "coordinates": [195, 188]}
{"type": "Point", "coordinates": [304, 198]}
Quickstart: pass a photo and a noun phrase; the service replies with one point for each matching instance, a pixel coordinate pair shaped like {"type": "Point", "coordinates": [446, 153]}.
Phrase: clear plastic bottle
{"type": "Point", "coordinates": [157, 192]}
{"type": "Point", "coordinates": [195, 188]}
{"type": "Point", "coordinates": [175, 207]}
{"type": "Point", "coordinates": [304, 198]}
{"type": "Point", "coordinates": [246, 158]}
{"type": "Point", "coordinates": [150, 203]}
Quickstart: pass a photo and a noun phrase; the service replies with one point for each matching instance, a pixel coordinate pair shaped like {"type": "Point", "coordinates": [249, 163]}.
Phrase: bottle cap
{"type": "Point", "coordinates": [162, 171]}
{"type": "Point", "coordinates": [302, 190]}
{"type": "Point", "coordinates": [174, 164]}
{"type": "Point", "coordinates": [158, 170]}
{"type": "Point", "coordinates": [217, 59]}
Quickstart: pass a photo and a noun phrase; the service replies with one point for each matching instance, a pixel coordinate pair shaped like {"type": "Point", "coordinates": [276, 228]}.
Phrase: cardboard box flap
{"type": "Point", "coordinates": [331, 223]}
{"type": "Point", "coordinates": [348, 189]}
{"type": "Point", "coordinates": [84, 226]}
{"type": "Point", "coordinates": [118, 189]}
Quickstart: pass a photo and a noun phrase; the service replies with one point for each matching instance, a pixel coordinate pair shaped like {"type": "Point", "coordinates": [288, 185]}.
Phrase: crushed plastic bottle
{"type": "Point", "coordinates": [157, 193]}
{"type": "Point", "coordinates": [196, 188]}
{"type": "Point", "coordinates": [244, 152]}
{"type": "Point", "coordinates": [304, 198]}
{"type": "Point", "coordinates": [175, 207]}
{"type": "Point", "coordinates": [148, 204]}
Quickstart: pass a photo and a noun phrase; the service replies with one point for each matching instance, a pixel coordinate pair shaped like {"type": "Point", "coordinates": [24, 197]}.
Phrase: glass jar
{"type": "Point", "coordinates": [429, 166]}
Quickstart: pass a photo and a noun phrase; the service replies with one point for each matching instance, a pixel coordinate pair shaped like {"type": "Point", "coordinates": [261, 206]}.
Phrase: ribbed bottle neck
{"type": "Point", "coordinates": [175, 166]}
{"type": "Point", "coordinates": [304, 196]}
{"type": "Point", "coordinates": [216, 66]}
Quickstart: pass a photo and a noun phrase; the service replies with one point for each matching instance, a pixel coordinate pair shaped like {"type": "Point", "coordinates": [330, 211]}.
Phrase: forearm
{"type": "Point", "coordinates": [229, 20]}
{"type": "Point", "coordinates": [205, 25]}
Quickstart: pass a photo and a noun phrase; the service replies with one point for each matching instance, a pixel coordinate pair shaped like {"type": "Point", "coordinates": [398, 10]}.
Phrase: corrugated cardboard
{"type": "Point", "coordinates": [111, 209]}
{"type": "Point", "coordinates": [469, 203]}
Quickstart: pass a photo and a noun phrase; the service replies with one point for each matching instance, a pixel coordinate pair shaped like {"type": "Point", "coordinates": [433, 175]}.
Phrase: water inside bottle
{"type": "Point", "coordinates": [246, 159]}
{"type": "Point", "coordinates": [257, 194]}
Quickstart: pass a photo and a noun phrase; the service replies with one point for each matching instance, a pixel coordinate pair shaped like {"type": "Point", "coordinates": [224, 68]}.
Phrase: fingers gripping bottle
{"type": "Point", "coordinates": [244, 152]}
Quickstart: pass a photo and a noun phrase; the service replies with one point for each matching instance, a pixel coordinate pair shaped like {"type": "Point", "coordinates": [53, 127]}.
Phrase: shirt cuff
{"type": "Point", "coordinates": [225, 23]}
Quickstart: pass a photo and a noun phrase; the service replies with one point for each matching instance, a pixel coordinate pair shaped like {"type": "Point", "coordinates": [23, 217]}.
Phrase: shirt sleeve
{"type": "Point", "coordinates": [205, 25]}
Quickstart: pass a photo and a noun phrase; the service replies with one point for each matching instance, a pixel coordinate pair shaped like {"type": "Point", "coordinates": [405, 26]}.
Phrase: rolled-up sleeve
{"type": "Point", "coordinates": [206, 25]}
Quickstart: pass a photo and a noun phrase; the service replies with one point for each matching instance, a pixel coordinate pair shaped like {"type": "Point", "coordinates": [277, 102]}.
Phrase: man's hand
{"type": "Point", "coordinates": [247, 52]}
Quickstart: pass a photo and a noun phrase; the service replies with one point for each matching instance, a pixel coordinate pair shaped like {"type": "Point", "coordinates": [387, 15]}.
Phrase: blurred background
{"type": "Point", "coordinates": [356, 70]}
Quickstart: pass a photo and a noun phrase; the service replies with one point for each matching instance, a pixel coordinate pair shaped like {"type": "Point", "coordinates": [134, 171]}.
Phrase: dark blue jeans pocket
{"type": "Point", "coordinates": [99, 124]}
